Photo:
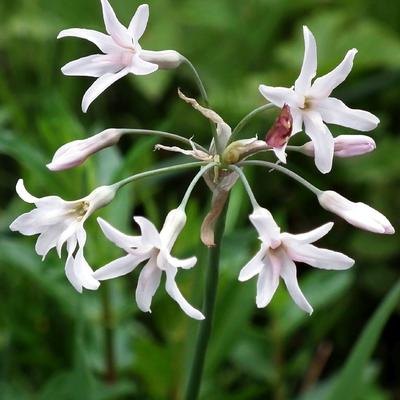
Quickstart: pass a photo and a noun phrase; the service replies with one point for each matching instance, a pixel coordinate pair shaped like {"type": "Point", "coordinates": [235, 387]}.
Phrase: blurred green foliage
{"type": "Point", "coordinates": [57, 344]}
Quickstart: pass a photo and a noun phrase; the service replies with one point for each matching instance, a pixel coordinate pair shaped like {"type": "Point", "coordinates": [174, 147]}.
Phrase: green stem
{"type": "Point", "coordinates": [193, 184]}
{"type": "Point", "coordinates": [203, 93]}
{"type": "Point", "coordinates": [285, 171]}
{"type": "Point", "coordinates": [248, 117]}
{"type": "Point", "coordinates": [167, 135]}
{"type": "Point", "coordinates": [246, 185]}
{"type": "Point", "coordinates": [198, 81]}
{"type": "Point", "coordinates": [154, 172]}
{"type": "Point", "coordinates": [196, 372]}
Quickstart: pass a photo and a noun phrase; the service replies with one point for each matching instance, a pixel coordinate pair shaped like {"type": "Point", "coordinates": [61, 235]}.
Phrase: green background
{"type": "Point", "coordinates": [57, 344]}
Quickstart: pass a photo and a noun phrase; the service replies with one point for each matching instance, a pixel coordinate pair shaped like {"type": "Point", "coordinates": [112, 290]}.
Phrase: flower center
{"type": "Point", "coordinates": [307, 103]}
{"type": "Point", "coordinates": [80, 210]}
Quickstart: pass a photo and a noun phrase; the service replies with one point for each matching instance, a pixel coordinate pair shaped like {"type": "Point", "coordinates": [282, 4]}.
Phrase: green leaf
{"type": "Point", "coordinates": [349, 382]}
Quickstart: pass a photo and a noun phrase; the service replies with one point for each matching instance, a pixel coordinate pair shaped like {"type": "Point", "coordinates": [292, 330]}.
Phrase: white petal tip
{"type": "Point", "coordinates": [389, 230]}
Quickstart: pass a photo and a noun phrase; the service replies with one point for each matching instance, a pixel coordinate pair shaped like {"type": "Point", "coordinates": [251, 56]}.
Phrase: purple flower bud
{"type": "Point", "coordinates": [75, 153]}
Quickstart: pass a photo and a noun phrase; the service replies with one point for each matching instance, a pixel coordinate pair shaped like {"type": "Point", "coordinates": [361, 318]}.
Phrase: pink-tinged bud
{"type": "Point", "coordinates": [280, 132]}
{"type": "Point", "coordinates": [345, 146]}
{"type": "Point", "coordinates": [165, 59]}
{"type": "Point", "coordinates": [75, 153]}
{"type": "Point", "coordinates": [358, 214]}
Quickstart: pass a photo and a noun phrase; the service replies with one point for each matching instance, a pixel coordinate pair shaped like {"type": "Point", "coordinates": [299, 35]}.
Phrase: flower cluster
{"type": "Point", "coordinates": [308, 103]}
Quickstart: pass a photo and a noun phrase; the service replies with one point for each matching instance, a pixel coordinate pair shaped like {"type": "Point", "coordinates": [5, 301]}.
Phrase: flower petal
{"type": "Point", "coordinates": [297, 116]}
{"type": "Point", "coordinates": [323, 86]}
{"type": "Point", "coordinates": [319, 258]}
{"type": "Point", "coordinates": [139, 66]}
{"type": "Point", "coordinates": [164, 260]}
{"type": "Point", "coordinates": [95, 66]}
{"type": "Point", "coordinates": [123, 241]}
{"type": "Point", "coordinates": [119, 267]}
{"type": "Point", "coordinates": [255, 265]}
{"type": "Point", "coordinates": [23, 193]}
{"type": "Point", "coordinates": [334, 111]}
{"type": "Point", "coordinates": [174, 292]}
{"type": "Point", "coordinates": [99, 86]}
{"type": "Point", "coordinates": [114, 28]}
{"type": "Point", "coordinates": [138, 22]}
{"type": "Point", "coordinates": [288, 273]}
{"type": "Point", "coordinates": [48, 239]}
{"type": "Point", "coordinates": [322, 139]}
{"type": "Point", "coordinates": [101, 40]}
{"type": "Point", "coordinates": [267, 282]}
{"type": "Point", "coordinates": [309, 67]}
{"type": "Point", "coordinates": [70, 274]}
{"type": "Point", "coordinates": [281, 96]}
{"type": "Point", "coordinates": [84, 272]}
{"type": "Point", "coordinates": [268, 230]}
{"type": "Point", "coordinates": [311, 236]}
{"type": "Point", "coordinates": [149, 280]}
{"type": "Point", "coordinates": [150, 235]}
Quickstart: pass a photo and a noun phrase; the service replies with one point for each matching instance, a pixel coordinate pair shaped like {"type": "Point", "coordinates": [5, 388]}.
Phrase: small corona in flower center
{"type": "Point", "coordinates": [81, 209]}
{"type": "Point", "coordinates": [308, 103]}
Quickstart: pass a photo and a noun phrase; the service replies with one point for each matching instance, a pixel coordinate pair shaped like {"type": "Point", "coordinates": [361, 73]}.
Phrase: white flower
{"type": "Point", "coordinates": [278, 253]}
{"type": "Point", "coordinates": [57, 222]}
{"type": "Point", "coordinates": [155, 248]}
{"type": "Point", "coordinates": [122, 52]}
{"type": "Point", "coordinates": [76, 152]}
{"type": "Point", "coordinates": [311, 104]}
{"type": "Point", "coordinates": [345, 146]}
{"type": "Point", "coordinates": [357, 214]}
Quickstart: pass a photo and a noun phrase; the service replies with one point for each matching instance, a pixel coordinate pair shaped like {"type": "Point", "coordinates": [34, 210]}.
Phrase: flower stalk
{"type": "Point", "coordinates": [210, 294]}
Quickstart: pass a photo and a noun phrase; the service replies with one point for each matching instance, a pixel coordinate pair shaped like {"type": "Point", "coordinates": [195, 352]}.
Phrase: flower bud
{"type": "Point", "coordinates": [75, 153]}
{"type": "Point", "coordinates": [279, 134]}
{"type": "Point", "coordinates": [165, 59]}
{"type": "Point", "coordinates": [100, 197]}
{"type": "Point", "coordinates": [345, 146]}
{"type": "Point", "coordinates": [241, 149]}
{"type": "Point", "coordinates": [358, 214]}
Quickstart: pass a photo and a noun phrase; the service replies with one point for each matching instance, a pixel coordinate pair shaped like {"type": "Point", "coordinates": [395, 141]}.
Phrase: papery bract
{"type": "Point", "coordinates": [278, 253]}
{"type": "Point", "coordinates": [58, 222]}
{"type": "Point", "coordinates": [310, 103]}
{"type": "Point", "coordinates": [156, 249]}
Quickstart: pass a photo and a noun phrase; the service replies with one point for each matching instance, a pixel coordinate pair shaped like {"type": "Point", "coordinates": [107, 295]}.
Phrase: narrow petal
{"type": "Point", "coordinates": [95, 66]}
{"type": "Point", "coordinates": [69, 231]}
{"type": "Point", "coordinates": [323, 86]}
{"type": "Point", "coordinates": [309, 67]}
{"type": "Point", "coordinates": [311, 236]}
{"type": "Point", "coordinates": [297, 116]}
{"type": "Point", "coordinates": [114, 28]}
{"type": "Point", "coordinates": [99, 86]}
{"type": "Point", "coordinates": [289, 275]}
{"type": "Point", "coordinates": [150, 235]}
{"type": "Point", "coordinates": [70, 274]}
{"type": "Point", "coordinates": [267, 283]}
{"type": "Point", "coordinates": [255, 265]}
{"type": "Point", "coordinates": [119, 267]}
{"type": "Point", "coordinates": [281, 96]}
{"type": "Point", "coordinates": [334, 111]}
{"type": "Point", "coordinates": [164, 260]}
{"type": "Point", "coordinates": [84, 272]}
{"type": "Point", "coordinates": [322, 139]}
{"type": "Point", "coordinates": [23, 193]}
{"type": "Point", "coordinates": [319, 258]}
{"type": "Point", "coordinates": [174, 292]}
{"type": "Point", "coordinates": [268, 230]}
{"type": "Point", "coordinates": [138, 22]}
{"type": "Point", "coordinates": [141, 67]}
{"type": "Point", "coordinates": [101, 40]}
{"type": "Point", "coordinates": [123, 241]}
{"type": "Point", "coordinates": [48, 239]}
{"type": "Point", "coordinates": [149, 280]}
